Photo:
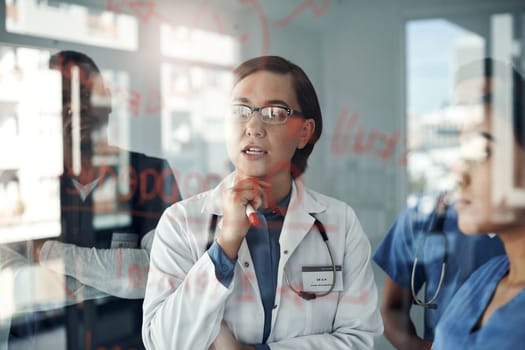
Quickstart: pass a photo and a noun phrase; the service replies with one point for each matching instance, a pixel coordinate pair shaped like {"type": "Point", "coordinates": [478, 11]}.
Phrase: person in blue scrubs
{"type": "Point", "coordinates": [416, 233]}
{"type": "Point", "coordinates": [488, 311]}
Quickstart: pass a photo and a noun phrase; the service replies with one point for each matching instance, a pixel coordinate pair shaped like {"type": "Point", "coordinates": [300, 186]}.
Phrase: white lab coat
{"type": "Point", "coordinates": [185, 303]}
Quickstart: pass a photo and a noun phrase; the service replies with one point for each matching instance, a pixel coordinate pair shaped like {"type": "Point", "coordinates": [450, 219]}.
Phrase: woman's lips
{"type": "Point", "coordinates": [254, 152]}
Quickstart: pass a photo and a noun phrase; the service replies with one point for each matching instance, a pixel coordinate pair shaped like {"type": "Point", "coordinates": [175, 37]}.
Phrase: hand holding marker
{"type": "Point", "coordinates": [252, 215]}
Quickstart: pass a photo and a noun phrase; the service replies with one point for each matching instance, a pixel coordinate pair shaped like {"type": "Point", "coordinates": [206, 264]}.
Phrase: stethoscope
{"type": "Point", "coordinates": [305, 295]}
{"type": "Point", "coordinates": [435, 225]}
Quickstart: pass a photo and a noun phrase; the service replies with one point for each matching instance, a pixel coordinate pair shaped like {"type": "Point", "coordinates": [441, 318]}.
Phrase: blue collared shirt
{"type": "Point", "coordinates": [263, 243]}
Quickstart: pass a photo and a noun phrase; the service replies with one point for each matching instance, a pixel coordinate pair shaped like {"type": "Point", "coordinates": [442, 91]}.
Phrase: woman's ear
{"type": "Point", "coordinates": [306, 133]}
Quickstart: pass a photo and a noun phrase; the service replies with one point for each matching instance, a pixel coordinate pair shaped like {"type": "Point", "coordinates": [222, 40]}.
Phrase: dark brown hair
{"type": "Point", "coordinates": [62, 59]}
{"type": "Point", "coordinates": [306, 96]}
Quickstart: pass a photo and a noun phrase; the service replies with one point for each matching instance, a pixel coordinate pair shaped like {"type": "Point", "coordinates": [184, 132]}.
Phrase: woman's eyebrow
{"type": "Point", "coordinates": [266, 103]}
{"type": "Point", "coordinates": [486, 135]}
{"type": "Point", "coordinates": [240, 99]}
{"type": "Point", "coordinates": [276, 102]}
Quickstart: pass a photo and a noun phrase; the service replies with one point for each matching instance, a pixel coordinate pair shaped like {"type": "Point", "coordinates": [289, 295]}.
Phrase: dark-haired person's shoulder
{"type": "Point", "coordinates": [145, 157]}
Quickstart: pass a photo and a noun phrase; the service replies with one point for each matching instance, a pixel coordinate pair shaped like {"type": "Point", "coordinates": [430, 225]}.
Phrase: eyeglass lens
{"type": "Point", "coordinates": [269, 115]}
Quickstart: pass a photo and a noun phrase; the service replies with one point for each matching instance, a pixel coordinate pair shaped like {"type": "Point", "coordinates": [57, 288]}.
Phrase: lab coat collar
{"type": "Point", "coordinates": [302, 200]}
{"type": "Point", "coordinates": [304, 206]}
{"type": "Point", "coordinates": [213, 203]}
{"type": "Point", "coordinates": [302, 211]}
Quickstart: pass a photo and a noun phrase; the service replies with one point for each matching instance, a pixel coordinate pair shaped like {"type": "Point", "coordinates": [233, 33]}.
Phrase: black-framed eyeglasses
{"type": "Point", "coordinates": [268, 114]}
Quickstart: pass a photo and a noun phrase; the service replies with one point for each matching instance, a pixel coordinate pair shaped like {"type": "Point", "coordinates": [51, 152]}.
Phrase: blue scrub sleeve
{"type": "Point", "coordinates": [395, 253]}
{"type": "Point", "coordinates": [223, 265]}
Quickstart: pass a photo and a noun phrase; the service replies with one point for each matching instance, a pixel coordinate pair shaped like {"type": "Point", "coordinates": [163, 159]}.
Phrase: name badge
{"type": "Point", "coordinates": [124, 240]}
{"type": "Point", "coordinates": [319, 279]}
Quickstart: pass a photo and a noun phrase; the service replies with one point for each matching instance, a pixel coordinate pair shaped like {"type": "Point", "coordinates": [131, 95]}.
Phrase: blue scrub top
{"type": "Point", "coordinates": [504, 328]}
{"type": "Point", "coordinates": [396, 252]}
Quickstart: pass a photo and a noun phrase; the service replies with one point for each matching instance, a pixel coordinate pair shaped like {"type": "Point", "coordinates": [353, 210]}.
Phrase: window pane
{"type": "Point", "coordinates": [435, 49]}
{"type": "Point", "coordinates": [194, 104]}
{"type": "Point", "coordinates": [64, 21]}
{"type": "Point", "coordinates": [31, 127]}
{"type": "Point", "coordinates": [199, 45]}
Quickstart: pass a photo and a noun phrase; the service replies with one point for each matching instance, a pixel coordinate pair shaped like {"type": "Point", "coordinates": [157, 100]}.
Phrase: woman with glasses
{"type": "Point", "coordinates": [488, 311]}
{"type": "Point", "coordinates": [298, 274]}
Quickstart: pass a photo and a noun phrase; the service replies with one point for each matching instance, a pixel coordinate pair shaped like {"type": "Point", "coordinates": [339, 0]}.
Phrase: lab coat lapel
{"type": "Point", "coordinates": [245, 262]}
{"type": "Point", "coordinates": [299, 219]}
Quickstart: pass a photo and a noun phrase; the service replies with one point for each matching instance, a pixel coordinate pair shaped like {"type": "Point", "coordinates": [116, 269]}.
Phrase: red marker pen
{"type": "Point", "coordinates": [252, 215]}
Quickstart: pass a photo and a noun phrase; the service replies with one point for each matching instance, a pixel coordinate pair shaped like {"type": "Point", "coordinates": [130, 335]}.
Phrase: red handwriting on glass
{"type": "Point", "coordinates": [149, 182]}
{"type": "Point", "coordinates": [246, 294]}
{"type": "Point", "coordinates": [88, 344]}
{"type": "Point", "coordinates": [153, 102]}
{"type": "Point", "coordinates": [147, 10]}
{"type": "Point", "coordinates": [205, 10]}
{"type": "Point", "coordinates": [143, 10]}
{"type": "Point", "coordinates": [134, 99]}
{"type": "Point", "coordinates": [199, 285]}
{"type": "Point", "coordinates": [88, 339]}
{"type": "Point", "coordinates": [373, 142]}
{"type": "Point", "coordinates": [263, 21]}
{"type": "Point", "coordinates": [119, 264]}
{"type": "Point", "coordinates": [312, 4]}
{"type": "Point", "coordinates": [138, 275]}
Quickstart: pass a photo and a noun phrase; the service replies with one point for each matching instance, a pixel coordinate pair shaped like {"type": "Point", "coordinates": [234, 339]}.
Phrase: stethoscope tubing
{"type": "Point", "coordinates": [436, 224]}
{"type": "Point", "coordinates": [305, 295]}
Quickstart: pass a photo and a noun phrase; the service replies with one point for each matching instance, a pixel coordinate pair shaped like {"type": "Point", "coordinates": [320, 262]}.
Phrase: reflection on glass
{"type": "Point", "coordinates": [194, 94]}
{"type": "Point", "coordinates": [435, 49]}
{"type": "Point", "coordinates": [84, 25]}
{"type": "Point", "coordinates": [507, 180]}
{"type": "Point", "coordinates": [199, 45]}
{"type": "Point", "coordinates": [31, 129]}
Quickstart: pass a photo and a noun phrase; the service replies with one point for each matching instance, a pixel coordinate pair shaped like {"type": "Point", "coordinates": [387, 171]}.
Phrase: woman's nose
{"type": "Point", "coordinates": [255, 126]}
